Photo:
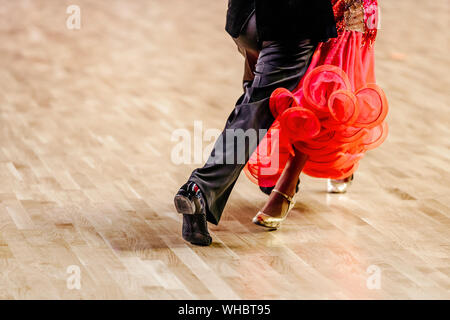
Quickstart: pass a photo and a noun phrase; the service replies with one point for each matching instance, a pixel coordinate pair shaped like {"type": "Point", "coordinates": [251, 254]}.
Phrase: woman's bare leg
{"type": "Point", "coordinates": [276, 205]}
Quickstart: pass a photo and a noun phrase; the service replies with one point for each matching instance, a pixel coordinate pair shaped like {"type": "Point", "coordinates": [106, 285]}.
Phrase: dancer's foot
{"type": "Point", "coordinates": [277, 203]}
{"type": "Point", "coordinates": [275, 210]}
{"type": "Point", "coordinates": [281, 201]}
{"type": "Point", "coordinates": [190, 202]}
{"type": "Point", "coordinates": [339, 186]}
{"type": "Point", "coordinates": [277, 206]}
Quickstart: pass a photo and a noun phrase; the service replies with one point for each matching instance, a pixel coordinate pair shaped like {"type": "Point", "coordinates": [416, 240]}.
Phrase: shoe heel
{"type": "Point", "coordinates": [184, 205]}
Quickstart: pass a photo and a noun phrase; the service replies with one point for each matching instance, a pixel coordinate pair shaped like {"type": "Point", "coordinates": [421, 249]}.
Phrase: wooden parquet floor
{"type": "Point", "coordinates": [86, 118]}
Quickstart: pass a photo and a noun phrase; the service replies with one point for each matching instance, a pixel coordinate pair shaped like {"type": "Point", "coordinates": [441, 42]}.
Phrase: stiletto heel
{"type": "Point", "coordinates": [264, 220]}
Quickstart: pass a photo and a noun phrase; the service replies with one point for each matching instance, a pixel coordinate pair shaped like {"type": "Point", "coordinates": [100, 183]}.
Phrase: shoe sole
{"type": "Point", "coordinates": [266, 227]}
{"type": "Point", "coordinates": [198, 243]}
{"type": "Point", "coordinates": [184, 205]}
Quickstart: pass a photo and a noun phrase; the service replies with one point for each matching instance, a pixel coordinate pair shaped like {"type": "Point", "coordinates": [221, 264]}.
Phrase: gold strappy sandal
{"type": "Point", "coordinates": [264, 220]}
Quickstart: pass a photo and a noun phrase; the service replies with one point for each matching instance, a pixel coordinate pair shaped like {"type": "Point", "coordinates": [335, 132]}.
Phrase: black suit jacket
{"type": "Point", "coordinates": [284, 19]}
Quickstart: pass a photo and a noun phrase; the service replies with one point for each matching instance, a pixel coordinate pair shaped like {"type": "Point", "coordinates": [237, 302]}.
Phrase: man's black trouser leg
{"type": "Point", "coordinates": [280, 64]}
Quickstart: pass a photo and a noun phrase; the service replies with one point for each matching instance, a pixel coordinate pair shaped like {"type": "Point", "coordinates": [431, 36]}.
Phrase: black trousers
{"type": "Point", "coordinates": [279, 64]}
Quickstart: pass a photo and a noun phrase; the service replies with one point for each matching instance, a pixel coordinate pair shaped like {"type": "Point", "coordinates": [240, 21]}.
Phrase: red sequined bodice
{"type": "Point", "coordinates": [357, 15]}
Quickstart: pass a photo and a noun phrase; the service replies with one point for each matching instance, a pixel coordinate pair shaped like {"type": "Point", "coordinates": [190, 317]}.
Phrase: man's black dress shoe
{"type": "Point", "coordinates": [189, 202]}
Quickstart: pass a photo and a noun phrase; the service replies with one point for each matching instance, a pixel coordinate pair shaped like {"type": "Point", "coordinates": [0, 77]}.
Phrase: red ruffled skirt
{"type": "Point", "coordinates": [334, 116]}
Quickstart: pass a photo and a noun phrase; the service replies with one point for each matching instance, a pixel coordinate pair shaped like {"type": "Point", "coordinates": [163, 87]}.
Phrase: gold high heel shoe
{"type": "Point", "coordinates": [264, 220]}
{"type": "Point", "coordinates": [339, 186]}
